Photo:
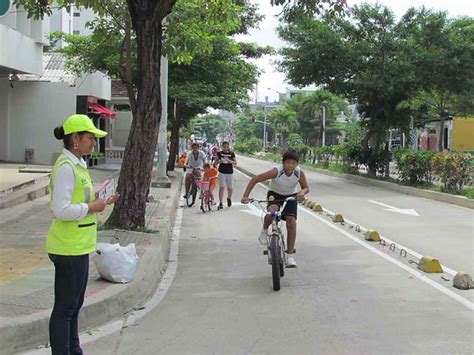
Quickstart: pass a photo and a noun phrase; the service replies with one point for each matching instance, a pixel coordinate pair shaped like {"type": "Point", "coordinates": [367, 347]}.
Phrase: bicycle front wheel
{"type": "Point", "coordinates": [192, 195]}
{"type": "Point", "coordinates": [275, 253]}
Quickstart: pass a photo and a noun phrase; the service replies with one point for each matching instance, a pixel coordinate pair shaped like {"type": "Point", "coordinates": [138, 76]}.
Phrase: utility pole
{"type": "Point", "coordinates": [323, 143]}
{"type": "Point", "coordinates": [161, 179]}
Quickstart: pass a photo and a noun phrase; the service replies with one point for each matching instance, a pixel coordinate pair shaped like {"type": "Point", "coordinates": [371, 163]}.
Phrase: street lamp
{"type": "Point", "coordinates": [265, 123]}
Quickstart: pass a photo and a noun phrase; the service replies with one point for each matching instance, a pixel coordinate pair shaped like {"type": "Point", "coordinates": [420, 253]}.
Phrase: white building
{"type": "Point", "coordinates": [36, 92]}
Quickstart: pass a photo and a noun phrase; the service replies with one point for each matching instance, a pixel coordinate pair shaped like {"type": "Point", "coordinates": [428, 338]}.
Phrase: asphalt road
{"type": "Point", "coordinates": [441, 230]}
{"type": "Point", "coordinates": [345, 297]}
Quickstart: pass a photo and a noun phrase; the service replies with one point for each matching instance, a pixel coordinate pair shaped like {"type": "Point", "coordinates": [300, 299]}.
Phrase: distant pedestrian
{"type": "Point", "coordinates": [73, 232]}
{"type": "Point", "coordinates": [226, 160]}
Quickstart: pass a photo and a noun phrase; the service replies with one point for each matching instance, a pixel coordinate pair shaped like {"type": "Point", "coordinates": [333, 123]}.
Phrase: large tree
{"type": "Point", "coordinates": [442, 53]}
{"type": "Point", "coordinates": [220, 80]}
{"type": "Point", "coordinates": [358, 57]}
{"type": "Point", "coordinates": [145, 19]}
{"type": "Point", "coordinates": [137, 62]}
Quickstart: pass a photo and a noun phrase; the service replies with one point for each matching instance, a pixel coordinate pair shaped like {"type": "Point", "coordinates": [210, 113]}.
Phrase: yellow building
{"type": "Point", "coordinates": [462, 135]}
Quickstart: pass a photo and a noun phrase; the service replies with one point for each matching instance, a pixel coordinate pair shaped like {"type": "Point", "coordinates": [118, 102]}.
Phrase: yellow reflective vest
{"type": "Point", "coordinates": [73, 237]}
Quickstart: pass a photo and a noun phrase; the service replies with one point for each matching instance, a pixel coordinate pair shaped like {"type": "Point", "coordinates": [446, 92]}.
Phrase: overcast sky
{"type": "Point", "coordinates": [266, 35]}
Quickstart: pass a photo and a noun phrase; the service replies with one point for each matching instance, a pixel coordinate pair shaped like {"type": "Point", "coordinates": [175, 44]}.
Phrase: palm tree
{"type": "Point", "coordinates": [284, 122]}
{"type": "Point", "coordinates": [312, 111]}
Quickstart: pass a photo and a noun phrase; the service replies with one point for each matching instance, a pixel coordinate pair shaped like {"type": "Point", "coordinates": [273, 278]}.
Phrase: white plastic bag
{"type": "Point", "coordinates": [115, 263]}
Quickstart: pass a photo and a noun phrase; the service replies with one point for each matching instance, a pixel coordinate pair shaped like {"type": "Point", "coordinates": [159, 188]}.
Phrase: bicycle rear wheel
{"type": "Point", "coordinates": [275, 253]}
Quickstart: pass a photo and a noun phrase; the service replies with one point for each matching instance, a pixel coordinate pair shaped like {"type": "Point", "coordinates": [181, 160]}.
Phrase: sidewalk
{"type": "Point", "coordinates": [27, 275]}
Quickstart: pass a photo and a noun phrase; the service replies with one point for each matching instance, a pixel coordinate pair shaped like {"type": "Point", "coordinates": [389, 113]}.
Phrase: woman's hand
{"type": "Point", "coordinates": [112, 199]}
{"type": "Point", "coordinates": [98, 205]}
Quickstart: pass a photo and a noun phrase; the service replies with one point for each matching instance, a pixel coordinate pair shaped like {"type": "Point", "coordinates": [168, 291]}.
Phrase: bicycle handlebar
{"type": "Point", "coordinates": [274, 213]}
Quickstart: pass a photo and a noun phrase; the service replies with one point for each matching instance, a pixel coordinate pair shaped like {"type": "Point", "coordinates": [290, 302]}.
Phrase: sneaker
{"type": "Point", "coordinates": [263, 237]}
{"type": "Point", "coordinates": [220, 206]}
{"type": "Point", "coordinates": [229, 202]}
{"type": "Point", "coordinates": [185, 197]}
{"type": "Point", "coordinates": [290, 261]}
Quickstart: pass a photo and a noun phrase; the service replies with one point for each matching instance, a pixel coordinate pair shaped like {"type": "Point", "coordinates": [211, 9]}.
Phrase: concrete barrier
{"type": "Point", "coordinates": [463, 281]}
{"type": "Point", "coordinates": [317, 208]}
{"type": "Point", "coordinates": [429, 264]}
{"type": "Point", "coordinates": [372, 235]}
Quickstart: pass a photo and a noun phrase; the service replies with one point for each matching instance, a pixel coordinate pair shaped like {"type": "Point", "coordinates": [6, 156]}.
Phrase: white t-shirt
{"type": "Point", "coordinates": [199, 162]}
{"type": "Point", "coordinates": [283, 184]}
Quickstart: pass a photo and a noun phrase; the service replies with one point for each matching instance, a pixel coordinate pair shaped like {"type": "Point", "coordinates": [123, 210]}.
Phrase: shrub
{"type": "Point", "coordinates": [414, 167]}
{"type": "Point", "coordinates": [453, 169]}
{"type": "Point", "coordinates": [250, 146]}
{"type": "Point", "coordinates": [296, 144]}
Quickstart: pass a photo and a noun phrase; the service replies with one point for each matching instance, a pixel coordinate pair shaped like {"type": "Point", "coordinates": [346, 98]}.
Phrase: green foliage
{"type": "Point", "coordinates": [379, 63]}
{"type": "Point", "coordinates": [296, 144]}
{"type": "Point", "coordinates": [284, 122]}
{"type": "Point", "coordinates": [210, 125]}
{"type": "Point", "coordinates": [454, 169]}
{"type": "Point", "coordinates": [311, 114]}
{"type": "Point", "coordinates": [249, 146]}
{"type": "Point", "coordinates": [414, 168]}
{"type": "Point", "coordinates": [470, 193]}
{"type": "Point", "coordinates": [194, 26]}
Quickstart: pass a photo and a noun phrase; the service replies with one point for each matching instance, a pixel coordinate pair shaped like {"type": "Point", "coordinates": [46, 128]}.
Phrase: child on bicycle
{"type": "Point", "coordinates": [284, 180]}
{"type": "Point", "coordinates": [210, 174]}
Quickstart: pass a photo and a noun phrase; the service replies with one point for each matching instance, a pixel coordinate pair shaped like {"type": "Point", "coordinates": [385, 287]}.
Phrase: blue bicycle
{"type": "Point", "coordinates": [276, 246]}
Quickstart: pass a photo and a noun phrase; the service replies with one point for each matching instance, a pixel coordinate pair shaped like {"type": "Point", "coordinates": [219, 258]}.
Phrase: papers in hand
{"type": "Point", "coordinates": [106, 189]}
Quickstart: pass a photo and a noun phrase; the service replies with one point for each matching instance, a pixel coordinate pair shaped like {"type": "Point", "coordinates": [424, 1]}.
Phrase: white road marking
{"type": "Point", "coordinates": [251, 209]}
{"type": "Point", "coordinates": [399, 246]}
{"type": "Point", "coordinates": [453, 295]}
{"type": "Point", "coordinates": [417, 274]}
{"type": "Point", "coordinates": [407, 211]}
{"type": "Point", "coordinates": [136, 315]}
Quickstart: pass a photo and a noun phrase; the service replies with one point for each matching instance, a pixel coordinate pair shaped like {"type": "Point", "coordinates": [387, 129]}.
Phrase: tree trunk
{"type": "Point", "coordinates": [137, 165]}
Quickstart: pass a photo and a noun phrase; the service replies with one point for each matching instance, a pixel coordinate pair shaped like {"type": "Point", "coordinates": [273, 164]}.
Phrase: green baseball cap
{"type": "Point", "coordinates": [81, 123]}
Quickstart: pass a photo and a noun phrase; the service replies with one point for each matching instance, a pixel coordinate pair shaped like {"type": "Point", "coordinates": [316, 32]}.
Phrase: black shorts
{"type": "Point", "coordinates": [291, 207]}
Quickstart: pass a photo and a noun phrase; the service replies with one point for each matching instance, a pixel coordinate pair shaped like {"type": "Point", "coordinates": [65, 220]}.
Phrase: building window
{"type": "Point", "coordinates": [76, 32]}
{"type": "Point", "coordinates": [77, 14]}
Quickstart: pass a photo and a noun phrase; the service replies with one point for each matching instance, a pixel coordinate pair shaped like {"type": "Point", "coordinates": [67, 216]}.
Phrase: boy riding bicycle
{"type": "Point", "coordinates": [284, 183]}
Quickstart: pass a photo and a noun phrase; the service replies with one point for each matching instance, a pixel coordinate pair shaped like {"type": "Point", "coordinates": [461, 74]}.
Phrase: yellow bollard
{"type": "Point", "coordinates": [338, 218]}
{"type": "Point", "coordinates": [430, 265]}
{"type": "Point", "coordinates": [310, 205]}
{"type": "Point", "coordinates": [317, 208]}
{"type": "Point", "coordinates": [372, 235]}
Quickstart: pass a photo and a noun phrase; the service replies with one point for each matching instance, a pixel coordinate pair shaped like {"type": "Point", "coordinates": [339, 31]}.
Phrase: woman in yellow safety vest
{"type": "Point", "coordinates": [73, 232]}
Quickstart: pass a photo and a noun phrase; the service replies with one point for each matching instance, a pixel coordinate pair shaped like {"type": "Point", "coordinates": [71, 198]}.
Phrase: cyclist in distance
{"type": "Point", "coordinates": [284, 183]}
{"type": "Point", "coordinates": [195, 159]}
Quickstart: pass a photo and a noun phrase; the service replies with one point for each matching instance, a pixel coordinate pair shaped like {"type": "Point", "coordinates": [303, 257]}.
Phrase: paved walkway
{"type": "Point", "coordinates": [10, 177]}
{"type": "Point", "coordinates": [26, 280]}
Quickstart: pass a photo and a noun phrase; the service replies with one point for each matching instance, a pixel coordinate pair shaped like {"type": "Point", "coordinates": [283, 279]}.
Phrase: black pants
{"type": "Point", "coordinates": [70, 283]}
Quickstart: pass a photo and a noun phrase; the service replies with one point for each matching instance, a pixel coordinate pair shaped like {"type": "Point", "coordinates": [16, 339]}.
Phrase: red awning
{"type": "Point", "coordinates": [103, 111]}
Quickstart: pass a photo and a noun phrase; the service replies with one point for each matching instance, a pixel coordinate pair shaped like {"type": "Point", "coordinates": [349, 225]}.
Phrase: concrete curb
{"type": "Point", "coordinates": [407, 190]}
{"type": "Point", "coordinates": [28, 192]}
{"type": "Point", "coordinates": [112, 303]}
